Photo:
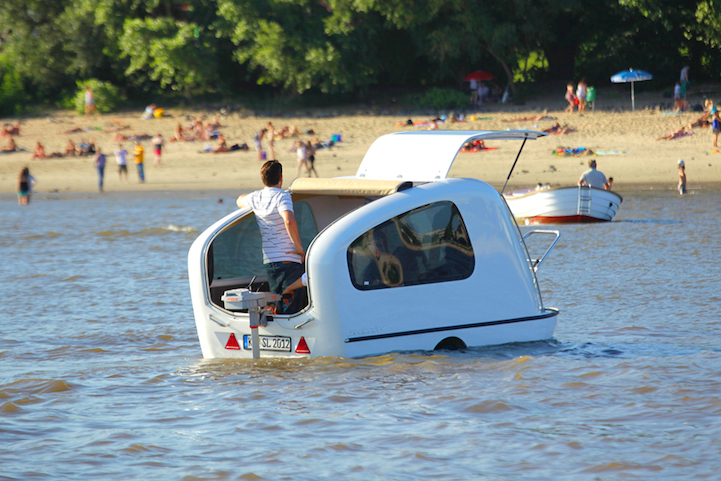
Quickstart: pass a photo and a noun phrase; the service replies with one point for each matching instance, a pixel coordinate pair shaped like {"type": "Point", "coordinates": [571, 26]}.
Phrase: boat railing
{"type": "Point", "coordinates": [537, 262]}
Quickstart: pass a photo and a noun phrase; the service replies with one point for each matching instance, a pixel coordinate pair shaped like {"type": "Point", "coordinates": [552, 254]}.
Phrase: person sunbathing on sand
{"type": "Point", "coordinates": [115, 128]}
{"type": "Point", "coordinates": [10, 145]}
{"type": "Point", "coordinates": [222, 145]}
{"type": "Point", "coordinates": [475, 146]}
{"type": "Point", "coordinates": [704, 121]}
{"type": "Point", "coordinates": [558, 129]}
{"type": "Point", "coordinates": [85, 148]}
{"type": "Point", "coordinates": [39, 152]}
{"type": "Point", "coordinates": [133, 137]}
{"type": "Point", "coordinates": [681, 132]}
{"type": "Point", "coordinates": [69, 149]}
{"type": "Point", "coordinates": [199, 130]}
{"type": "Point", "coordinates": [532, 118]}
{"type": "Point", "coordinates": [215, 124]}
{"type": "Point", "coordinates": [282, 133]}
{"type": "Point", "coordinates": [9, 130]}
{"type": "Point", "coordinates": [74, 130]}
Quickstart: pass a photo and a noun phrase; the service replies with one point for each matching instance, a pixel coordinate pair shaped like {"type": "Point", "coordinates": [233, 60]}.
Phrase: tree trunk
{"type": "Point", "coordinates": [509, 72]}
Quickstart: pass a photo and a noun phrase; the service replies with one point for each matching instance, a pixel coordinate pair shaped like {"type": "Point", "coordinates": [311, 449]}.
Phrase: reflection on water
{"type": "Point", "coordinates": [103, 377]}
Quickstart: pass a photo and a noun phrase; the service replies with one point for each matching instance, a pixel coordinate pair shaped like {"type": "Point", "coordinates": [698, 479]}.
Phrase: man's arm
{"type": "Point", "coordinates": [291, 226]}
{"type": "Point", "coordinates": [240, 202]}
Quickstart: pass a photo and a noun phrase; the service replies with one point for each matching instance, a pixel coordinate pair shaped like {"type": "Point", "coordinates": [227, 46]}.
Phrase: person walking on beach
{"type": "Point", "coordinates": [679, 104]}
{"type": "Point", "coordinates": [594, 178]}
{"type": "Point", "coordinates": [90, 102]}
{"type": "Point", "coordinates": [270, 135]}
{"type": "Point", "coordinates": [25, 186]}
{"type": "Point", "coordinates": [681, 177]}
{"type": "Point", "coordinates": [121, 156]}
{"type": "Point", "coordinates": [99, 161]}
{"type": "Point", "coordinates": [283, 253]}
{"type": "Point", "coordinates": [310, 158]}
{"type": "Point", "coordinates": [258, 141]}
{"type": "Point", "coordinates": [684, 81]}
{"type": "Point", "coordinates": [138, 155]}
{"type": "Point", "coordinates": [301, 153]}
{"type": "Point", "coordinates": [581, 95]}
{"type": "Point", "coordinates": [571, 98]}
{"type": "Point", "coordinates": [158, 143]}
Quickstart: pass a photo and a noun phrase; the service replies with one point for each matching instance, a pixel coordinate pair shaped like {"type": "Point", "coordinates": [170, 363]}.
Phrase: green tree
{"type": "Point", "coordinates": [302, 44]}
{"type": "Point", "coordinates": [171, 52]}
{"type": "Point", "coordinates": [51, 42]}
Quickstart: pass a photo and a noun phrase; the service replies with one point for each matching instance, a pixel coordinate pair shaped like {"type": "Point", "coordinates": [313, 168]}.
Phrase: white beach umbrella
{"type": "Point", "coordinates": [632, 76]}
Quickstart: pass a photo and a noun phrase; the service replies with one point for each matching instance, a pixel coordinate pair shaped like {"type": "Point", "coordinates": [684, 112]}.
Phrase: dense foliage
{"type": "Point", "coordinates": [231, 47]}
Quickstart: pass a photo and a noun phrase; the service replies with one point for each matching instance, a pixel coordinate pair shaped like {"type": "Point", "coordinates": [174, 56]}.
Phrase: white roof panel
{"type": "Point", "coordinates": [425, 155]}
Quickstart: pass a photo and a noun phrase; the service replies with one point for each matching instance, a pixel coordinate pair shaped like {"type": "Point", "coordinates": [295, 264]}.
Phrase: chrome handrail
{"type": "Point", "coordinates": [538, 262]}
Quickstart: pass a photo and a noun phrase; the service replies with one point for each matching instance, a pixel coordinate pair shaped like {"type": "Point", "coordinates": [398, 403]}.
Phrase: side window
{"type": "Point", "coordinates": [427, 245]}
{"type": "Point", "coordinates": [237, 252]}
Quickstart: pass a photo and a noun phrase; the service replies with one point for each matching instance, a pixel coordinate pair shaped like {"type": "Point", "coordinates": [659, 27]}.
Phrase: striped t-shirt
{"type": "Point", "coordinates": [267, 204]}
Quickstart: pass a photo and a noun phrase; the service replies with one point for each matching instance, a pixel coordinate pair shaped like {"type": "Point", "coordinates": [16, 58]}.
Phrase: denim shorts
{"type": "Point", "coordinates": [280, 276]}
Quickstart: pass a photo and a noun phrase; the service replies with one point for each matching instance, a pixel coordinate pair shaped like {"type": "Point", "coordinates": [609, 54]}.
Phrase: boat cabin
{"type": "Point", "coordinates": [398, 257]}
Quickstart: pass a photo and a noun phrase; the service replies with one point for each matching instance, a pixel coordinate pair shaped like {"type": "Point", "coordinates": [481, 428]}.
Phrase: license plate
{"type": "Point", "coordinates": [268, 343]}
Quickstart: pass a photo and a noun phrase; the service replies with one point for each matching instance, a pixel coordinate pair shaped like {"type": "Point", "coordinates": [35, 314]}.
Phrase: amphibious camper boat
{"type": "Point", "coordinates": [399, 257]}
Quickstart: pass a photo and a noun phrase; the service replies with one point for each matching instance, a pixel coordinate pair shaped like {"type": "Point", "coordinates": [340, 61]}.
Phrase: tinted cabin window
{"type": "Point", "coordinates": [237, 251]}
{"type": "Point", "coordinates": [424, 246]}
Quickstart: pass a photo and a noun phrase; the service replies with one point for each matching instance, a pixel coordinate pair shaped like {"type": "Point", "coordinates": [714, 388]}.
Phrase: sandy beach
{"type": "Point", "coordinates": [625, 143]}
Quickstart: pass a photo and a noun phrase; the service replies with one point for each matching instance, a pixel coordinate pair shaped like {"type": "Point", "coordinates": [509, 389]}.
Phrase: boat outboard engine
{"type": "Point", "coordinates": [258, 306]}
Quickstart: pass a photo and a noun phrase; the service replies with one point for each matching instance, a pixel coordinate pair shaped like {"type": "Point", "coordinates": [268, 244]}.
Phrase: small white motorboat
{"type": "Point", "coordinates": [399, 257]}
{"type": "Point", "coordinates": [561, 205]}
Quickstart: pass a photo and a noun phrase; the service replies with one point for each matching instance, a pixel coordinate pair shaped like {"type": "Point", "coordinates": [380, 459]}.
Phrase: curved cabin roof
{"type": "Point", "coordinates": [425, 156]}
{"type": "Point", "coordinates": [347, 187]}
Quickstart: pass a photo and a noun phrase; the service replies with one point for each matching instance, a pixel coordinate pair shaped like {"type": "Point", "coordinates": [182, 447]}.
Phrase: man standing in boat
{"type": "Point", "coordinates": [594, 178]}
{"type": "Point", "coordinates": [283, 253]}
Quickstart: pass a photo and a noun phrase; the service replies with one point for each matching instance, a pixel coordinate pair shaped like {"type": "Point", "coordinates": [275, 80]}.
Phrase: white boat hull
{"type": "Point", "coordinates": [563, 205]}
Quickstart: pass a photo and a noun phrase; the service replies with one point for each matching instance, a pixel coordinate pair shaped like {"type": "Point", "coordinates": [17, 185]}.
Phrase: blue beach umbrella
{"type": "Point", "coordinates": [632, 76]}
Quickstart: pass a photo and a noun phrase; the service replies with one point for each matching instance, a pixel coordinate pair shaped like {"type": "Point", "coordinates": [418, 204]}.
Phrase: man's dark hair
{"type": "Point", "coordinates": [271, 172]}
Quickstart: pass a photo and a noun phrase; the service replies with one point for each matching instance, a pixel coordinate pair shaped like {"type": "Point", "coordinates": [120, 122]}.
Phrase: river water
{"type": "Point", "coordinates": [101, 375]}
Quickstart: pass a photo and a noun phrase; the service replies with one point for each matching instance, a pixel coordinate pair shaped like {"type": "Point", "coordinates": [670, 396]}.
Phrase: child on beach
{"type": "Point", "coordinates": [679, 103]}
{"type": "Point", "coordinates": [301, 153]}
{"type": "Point", "coordinates": [571, 98]}
{"type": "Point", "coordinates": [25, 186]}
{"type": "Point", "coordinates": [581, 95]}
{"type": "Point", "coordinates": [310, 156]}
{"type": "Point", "coordinates": [715, 128]}
{"type": "Point", "coordinates": [681, 177]}
{"type": "Point", "coordinates": [158, 143]}
{"type": "Point", "coordinates": [258, 141]}
{"type": "Point", "coordinates": [121, 158]}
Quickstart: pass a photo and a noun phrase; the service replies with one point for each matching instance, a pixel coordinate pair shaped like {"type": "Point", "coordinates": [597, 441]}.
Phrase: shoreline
{"type": "Point", "coordinates": [232, 194]}
{"type": "Point", "coordinates": [633, 156]}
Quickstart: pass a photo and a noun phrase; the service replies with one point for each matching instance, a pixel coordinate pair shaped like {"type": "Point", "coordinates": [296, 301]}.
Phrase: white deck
{"type": "Point", "coordinates": [424, 156]}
